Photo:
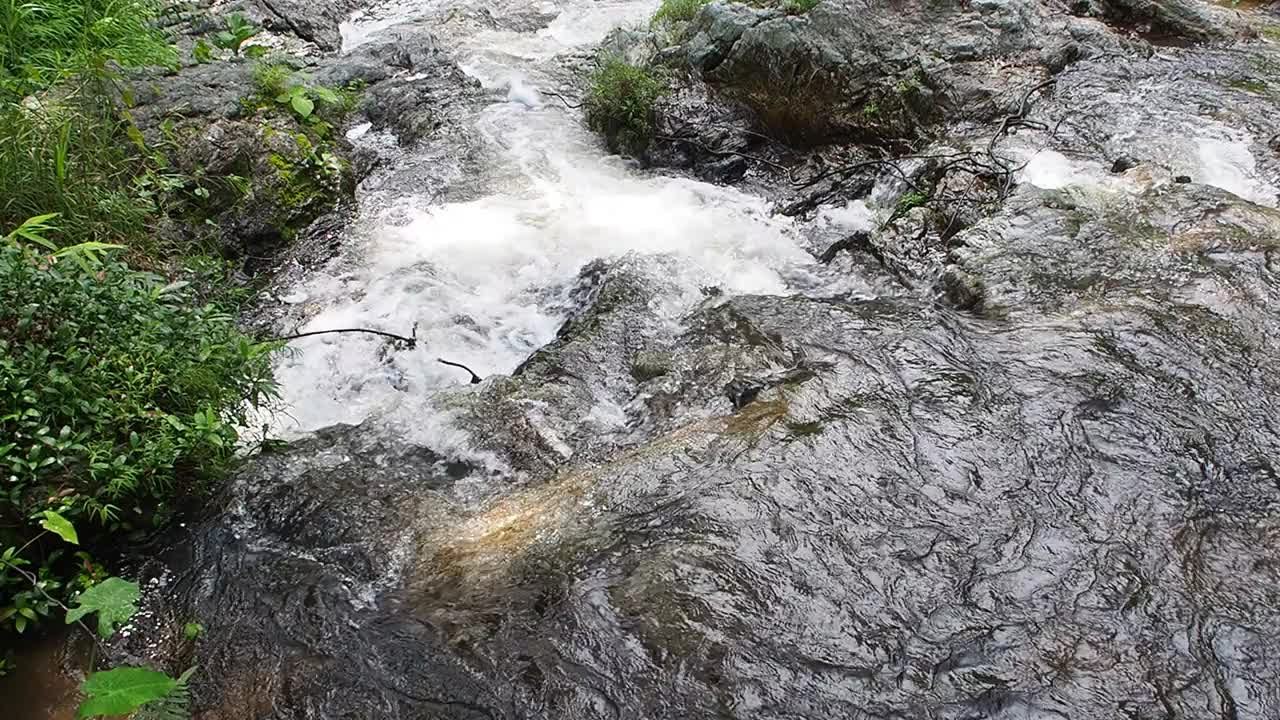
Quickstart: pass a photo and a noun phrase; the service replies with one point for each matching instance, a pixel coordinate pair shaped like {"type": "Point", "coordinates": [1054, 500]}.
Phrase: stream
{"type": "Point", "coordinates": [485, 279]}
{"type": "Point", "coordinates": [709, 476]}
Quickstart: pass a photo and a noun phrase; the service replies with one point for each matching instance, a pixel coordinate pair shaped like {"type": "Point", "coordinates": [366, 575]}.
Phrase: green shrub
{"type": "Point", "coordinates": [120, 395]}
{"type": "Point", "coordinates": [620, 103]}
{"type": "Point", "coordinates": [42, 43]}
{"type": "Point", "coordinates": [280, 85]}
{"type": "Point", "coordinates": [798, 7]}
{"type": "Point", "coordinates": [676, 11]}
{"type": "Point", "coordinates": [239, 31]}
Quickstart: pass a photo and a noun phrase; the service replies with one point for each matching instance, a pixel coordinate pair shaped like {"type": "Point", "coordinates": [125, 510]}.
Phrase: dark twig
{"type": "Point", "coordinates": [562, 99]}
{"type": "Point", "coordinates": [1007, 122]}
{"type": "Point", "coordinates": [475, 379]}
{"type": "Point", "coordinates": [411, 342]}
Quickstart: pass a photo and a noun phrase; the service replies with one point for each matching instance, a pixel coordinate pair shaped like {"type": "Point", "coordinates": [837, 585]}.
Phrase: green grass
{"type": "Point", "coordinates": [71, 157]}
{"type": "Point", "coordinates": [676, 11]}
{"type": "Point", "coordinates": [620, 104]}
{"type": "Point", "coordinates": [64, 145]}
{"type": "Point", "coordinates": [43, 43]}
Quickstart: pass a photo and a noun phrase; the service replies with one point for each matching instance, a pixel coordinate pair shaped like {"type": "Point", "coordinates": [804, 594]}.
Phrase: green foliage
{"type": "Point", "coordinates": [272, 79]}
{"type": "Point", "coordinates": [60, 526]}
{"type": "Point", "coordinates": [202, 52]}
{"type": "Point", "coordinates": [114, 600]}
{"type": "Point", "coordinates": [798, 7]}
{"type": "Point", "coordinates": [71, 156]}
{"type": "Point", "coordinates": [239, 31]}
{"type": "Point", "coordinates": [281, 86]}
{"type": "Point", "coordinates": [26, 603]}
{"type": "Point", "coordinates": [620, 104]}
{"type": "Point", "coordinates": [910, 201]}
{"type": "Point", "coordinates": [173, 706]}
{"type": "Point", "coordinates": [42, 43]}
{"type": "Point", "coordinates": [192, 630]}
{"type": "Point", "coordinates": [120, 691]}
{"type": "Point", "coordinates": [671, 12]}
{"type": "Point", "coordinates": [119, 394]}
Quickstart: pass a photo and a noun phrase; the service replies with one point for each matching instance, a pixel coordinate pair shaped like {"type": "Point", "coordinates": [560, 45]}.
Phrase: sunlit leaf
{"type": "Point", "coordinates": [60, 526]}
{"type": "Point", "coordinates": [302, 105]}
{"type": "Point", "coordinates": [122, 690]}
{"type": "Point", "coordinates": [115, 600]}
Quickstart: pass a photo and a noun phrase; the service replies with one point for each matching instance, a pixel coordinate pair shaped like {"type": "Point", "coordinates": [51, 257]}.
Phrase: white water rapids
{"type": "Point", "coordinates": [484, 280]}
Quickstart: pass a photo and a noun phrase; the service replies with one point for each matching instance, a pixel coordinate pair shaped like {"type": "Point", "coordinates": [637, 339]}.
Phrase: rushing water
{"type": "Point", "coordinates": [484, 280]}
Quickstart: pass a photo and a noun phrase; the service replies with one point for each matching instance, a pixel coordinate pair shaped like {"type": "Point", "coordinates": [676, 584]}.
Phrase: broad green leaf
{"type": "Point", "coordinates": [302, 105]}
{"type": "Point", "coordinates": [60, 526]}
{"type": "Point", "coordinates": [326, 95]}
{"type": "Point", "coordinates": [122, 690]}
{"type": "Point", "coordinates": [114, 600]}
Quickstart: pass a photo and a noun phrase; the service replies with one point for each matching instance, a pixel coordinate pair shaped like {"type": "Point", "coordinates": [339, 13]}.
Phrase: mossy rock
{"type": "Point", "coordinates": [272, 177]}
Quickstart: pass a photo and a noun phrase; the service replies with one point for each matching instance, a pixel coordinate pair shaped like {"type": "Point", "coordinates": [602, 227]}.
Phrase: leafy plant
{"type": "Point", "coordinates": [113, 599]}
{"type": "Point", "coordinates": [280, 85]}
{"type": "Point", "coordinates": [36, 229]}
{"type": "Point", "coordinates": [620, 104]}
{"type": "Point", "coordinates": [71, 156]}
{"type": "Point", "coordinates": [120, 394]}
{"type": "Point", "coordinates": [173, 705]}
{"type": "Point", "coordinates": [118, 691]}
{"type": "Point", "coordinates": [910, 201]}
{"type": "Point", "coordinates": [671, 12]}
{"type": "Point", "coordinates": [202, 52]}
{"type": "Point", "coordinates": [239, 30]}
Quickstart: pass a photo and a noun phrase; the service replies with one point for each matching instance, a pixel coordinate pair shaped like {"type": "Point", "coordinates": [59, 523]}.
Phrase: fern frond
{"type": "Point", "coordinates": [174, 706]}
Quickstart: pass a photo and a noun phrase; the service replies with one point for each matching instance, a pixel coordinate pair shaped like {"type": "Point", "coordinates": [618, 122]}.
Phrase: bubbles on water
{"type": "Point", "coordinates": [854, 216]}
{"type": "Point", "coordinates": [522, 93]}
{"type": "Point", "coordinates": [484, 282]}
{"type": "Point", "coordinates": [1050, 170]}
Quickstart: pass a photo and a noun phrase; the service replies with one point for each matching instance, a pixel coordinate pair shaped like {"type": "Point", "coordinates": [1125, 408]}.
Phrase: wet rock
{"type": "Point", "coordinates": [1188, 19]}
{"type": "Point", "coordinates": [262, 177]}
{"type": "Point", "coordinates": [1168, 241]}
{"type": "Point", "coordinates": [287, 621]}
{"type": "Point", "coordinates": [1049, 496]}
{"type": "Point", "coordinates": [315, 22]}
{"type": "Point", "coordinates": [856, 478]}
{"type": "Point", "coordinates": [710, 136]}
{"type": "Point", "coordinates": [845, 71]}
{"type": "Point", "coordinates": [648, 365]}
{"type": "Point", "coordinates": [421, 88]}
{"type": "Point", "coordinates": [1123, 163]}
